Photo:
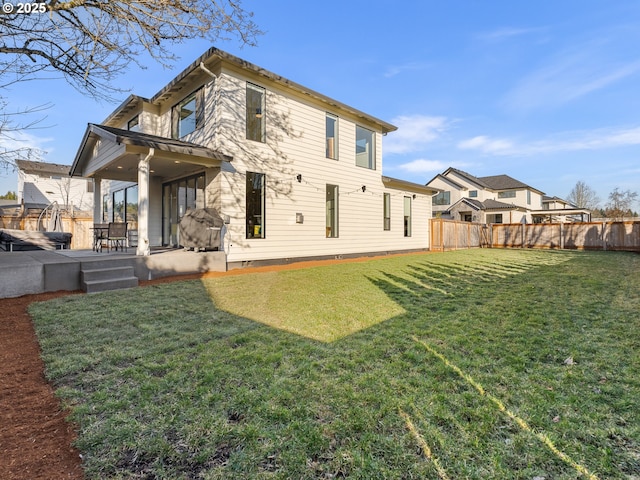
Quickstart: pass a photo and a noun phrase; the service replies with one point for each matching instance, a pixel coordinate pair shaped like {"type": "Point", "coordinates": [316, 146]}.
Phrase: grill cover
{"type": "Point", "coordinates": [200, 229]}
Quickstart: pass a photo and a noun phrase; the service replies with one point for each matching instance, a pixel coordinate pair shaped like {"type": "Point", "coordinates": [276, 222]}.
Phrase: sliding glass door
{"type": "Point", "coordinates": [178, 197]}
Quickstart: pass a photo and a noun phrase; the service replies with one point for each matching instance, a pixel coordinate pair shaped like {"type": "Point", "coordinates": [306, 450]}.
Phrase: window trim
{"type": "Point", "coordinates": [252, 113]}
{"type": "Point", "coordinates": [332, 224]}
{"type": "Point", "coordinates": [445, 197]}
{"type": "Point", "coordinates": [198, 97]}
{"type": "Point", "coordinates": [263, 212]}
{"type": "Point", "coordinates": [408, 230]}
{"type": "Point", "coordinates": [371, 160]}
{"type": "Point", "coordinates": [331, 152]}
{"type": "Point", "coordinates": [507, 194]}
{"type": "Point", "coordinates": [386, 212]}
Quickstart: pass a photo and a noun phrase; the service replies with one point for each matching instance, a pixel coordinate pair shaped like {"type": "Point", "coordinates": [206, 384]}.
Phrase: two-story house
{"type": "Point", "coordinates": [42, 183]}
{"type": "Point", "coordinates": [497, 199]}
{"type": "Point", "coordinates": [492, 199]}
{"type": "Point", "coordinates": [294, 173]}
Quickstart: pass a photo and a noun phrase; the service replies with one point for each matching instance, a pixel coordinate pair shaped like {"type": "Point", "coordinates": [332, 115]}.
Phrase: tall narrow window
{"type": "Point", "coordinates": [256, 126]}
{"type": "Point", "coordinates": [332, 211]}
{"type": "Point", "coordinates": [365, 151]}
{"type": "Point", "coordinates": [188, 115]}
{"type": "Point", "coordinates": [255, 204]}
{"type": "Point", "coordinates": [407, 216]}
{"type": "Point", "coordinates": [386, 200]}
{"type": "Point", "coordinates": [332, 136]}
{"type": "Point", "coordinates": [528, 197]}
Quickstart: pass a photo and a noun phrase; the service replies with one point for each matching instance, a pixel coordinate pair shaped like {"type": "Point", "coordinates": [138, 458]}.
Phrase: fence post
{"type": "Point", "coordinates": [561, 236]}
{"type": "Point", "coordinates": [604, 238]}
{"type": "Point", "coordinates": [442, 233]}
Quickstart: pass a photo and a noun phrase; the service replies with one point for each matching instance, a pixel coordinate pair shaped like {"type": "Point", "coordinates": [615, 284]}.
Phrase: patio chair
{"type": "Point", "coordinates": [117, 235]}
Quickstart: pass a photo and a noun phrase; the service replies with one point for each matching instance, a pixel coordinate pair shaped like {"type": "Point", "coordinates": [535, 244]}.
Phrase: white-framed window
{"type": "Point", "coordinates": [507, 194]}
{"type": "Point", "coordinates": [255, 204]}
{"type": "Point", "coordinates": [528, 197]}
{"type": "Point", "coordinates": [133, 125]}
{"type": "Point", "coordinates": [443, 198]}
{"type": "Point", "coordinates": [473, 193]}
{"type": "Point", "coordinates": [331, 208]}
{"type": "Point", "coordinates": [386, 211]}
{"type": "Point", "coordinates": [365, 148]}
{"type": "Point", "coordinates": [331, 136]}
{"type": "Point", "coordinates": [407, 216]}
{"type": "Point", "coordinates": [255, 113]}
{"type": "Point", "coordinates": [188, 114]}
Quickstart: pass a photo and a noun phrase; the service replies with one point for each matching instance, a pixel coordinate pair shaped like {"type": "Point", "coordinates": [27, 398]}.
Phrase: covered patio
{"type": "Point", "coordinates": [108, 153]}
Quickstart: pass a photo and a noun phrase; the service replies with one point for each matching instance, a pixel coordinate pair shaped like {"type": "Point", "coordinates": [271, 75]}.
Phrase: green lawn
{"type": "Point", "coordinates": [473, 364]}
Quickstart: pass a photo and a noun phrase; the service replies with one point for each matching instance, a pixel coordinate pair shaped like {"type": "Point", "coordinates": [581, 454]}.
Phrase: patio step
{"type": "Point", "coordinates": [95, 280]}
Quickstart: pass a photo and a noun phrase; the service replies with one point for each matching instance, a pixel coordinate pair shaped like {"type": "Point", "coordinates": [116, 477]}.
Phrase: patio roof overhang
{"type": "Point", "coordinates": [113, 153]}
{"type": "Point", "coordinates": [558, 212]}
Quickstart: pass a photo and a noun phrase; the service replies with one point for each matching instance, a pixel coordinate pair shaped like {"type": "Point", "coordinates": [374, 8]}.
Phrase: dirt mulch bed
{"type": "Point", "coordinates": [35, 439]}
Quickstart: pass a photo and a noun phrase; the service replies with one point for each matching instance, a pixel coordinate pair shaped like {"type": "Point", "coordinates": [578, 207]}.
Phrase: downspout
{"type": "Point", "coordinates": [207, 71]}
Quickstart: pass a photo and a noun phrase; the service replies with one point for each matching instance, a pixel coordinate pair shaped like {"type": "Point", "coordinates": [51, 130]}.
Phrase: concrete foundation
{"type": "Point", "coordinates": [39, 271]}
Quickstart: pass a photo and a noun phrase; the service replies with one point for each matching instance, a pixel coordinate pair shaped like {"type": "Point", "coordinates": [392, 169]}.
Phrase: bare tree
{"type": "Point", "coordinates": [583, 196]}
{"type": "Point", "coordinates": [91, 42]}
{"type": "Point", "coordinates": [620, 204]}
{"type": "Point", "coordinates": [12, 130]}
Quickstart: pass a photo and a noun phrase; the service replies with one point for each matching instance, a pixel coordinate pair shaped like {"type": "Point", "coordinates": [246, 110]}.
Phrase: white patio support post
{"type": "Point", "coordinates": [143, 248]}
{"type": "Point", "coordinates": [97, 200]}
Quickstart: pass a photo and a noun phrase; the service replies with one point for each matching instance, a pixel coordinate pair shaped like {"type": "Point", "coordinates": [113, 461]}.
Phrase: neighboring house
{"type": "Point", "coordinates": [41, 183]}
{"type": "Point", "coordinates": [296, 174]}
{"type": "Point", "coordinates": [555, 209]}
{"type": "Point", "coordinates": [494, 199]}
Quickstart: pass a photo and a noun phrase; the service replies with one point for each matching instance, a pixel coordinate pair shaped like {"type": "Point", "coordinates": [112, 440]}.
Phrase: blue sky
{"type": "Point", "coordinates": [546, 92]}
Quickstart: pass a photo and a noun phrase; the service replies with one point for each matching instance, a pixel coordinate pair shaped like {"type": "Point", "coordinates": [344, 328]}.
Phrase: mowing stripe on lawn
{"type": "Point", "coordinates": [424, 446]}
{"type": "Point", "coordinates": [519, 421]}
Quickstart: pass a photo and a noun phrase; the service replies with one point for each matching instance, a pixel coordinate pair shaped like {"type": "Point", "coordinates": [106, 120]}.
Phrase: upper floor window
{"type": "Point", "coordinates": [188, 115]}
{"type": "Point", "coordinates": [443, 198]}
{"type": "Point", "coordinates": [332, 136]}
{"type": "Point", "coordinates": [473, 193]}
{"type": "Point", "coordinates": [508, 194]}
{"type": "Point", "coordinates": [528, 197]}
{"type": "Point", "coordinates": [256, 104]}
{"type": "Point", "coordinates": [365, 151]}
{"type": "Point", "coordinates": [134, 124]}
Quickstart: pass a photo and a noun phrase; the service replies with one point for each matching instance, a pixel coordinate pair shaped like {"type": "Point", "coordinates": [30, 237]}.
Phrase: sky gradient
{"type": "Point", "coordinates": [546, 92]}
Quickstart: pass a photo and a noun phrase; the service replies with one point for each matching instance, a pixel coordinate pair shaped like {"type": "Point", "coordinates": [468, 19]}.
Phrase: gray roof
{"type": "Point", "coordinates": [154, 141]}
{"type": "Point", "coordinates": [209, 59]}
{"type": "Point", "coordinates": [43, 168]}
{"type": "Point", "coordinates": [493, 182]}
{"type": "Point", "coordinates": [503, 182]}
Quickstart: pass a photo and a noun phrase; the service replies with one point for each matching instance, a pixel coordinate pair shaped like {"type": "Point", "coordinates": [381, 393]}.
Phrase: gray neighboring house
{"type": "Point", "coordinates": [497, 199]}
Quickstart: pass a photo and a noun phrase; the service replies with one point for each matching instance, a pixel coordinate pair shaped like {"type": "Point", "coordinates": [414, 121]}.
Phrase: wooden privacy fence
{"type": "Point", "coordinates": [79, 227]}
{"type": "Point", "coordinates": [453, 235]}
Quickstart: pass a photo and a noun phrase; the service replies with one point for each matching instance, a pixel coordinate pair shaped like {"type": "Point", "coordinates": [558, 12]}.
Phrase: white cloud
{"type": "Point", "coordinates": [394, 70]}
{"type": "Point", "coordinates": [423, 166]}
{"type": "Point", "coordinates": [565, 142]}
{"type": "Point", "coordinates": [509, 32]}
{"type": "Point", "coordinates": [414, 133]}
{"type": "Point", "coordinates": [22, 139]}
{"type": "Point", "coordinates": [486, 145]}
{"type": "Point", "coordinates": [571, 74]}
